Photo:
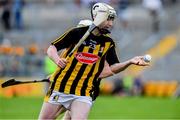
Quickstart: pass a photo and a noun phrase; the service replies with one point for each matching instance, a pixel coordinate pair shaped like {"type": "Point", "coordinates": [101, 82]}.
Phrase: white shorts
{"type": "Point", "coordinates": [67, 99]}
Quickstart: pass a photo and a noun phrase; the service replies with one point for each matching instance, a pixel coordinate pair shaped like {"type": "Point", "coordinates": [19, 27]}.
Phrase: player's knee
{"type": "Point", "coordinates": [48, 111]}
{"type": "Point", "coordinates": [79, 115]}
{"type": "Point", "coordinates": [44, 117]}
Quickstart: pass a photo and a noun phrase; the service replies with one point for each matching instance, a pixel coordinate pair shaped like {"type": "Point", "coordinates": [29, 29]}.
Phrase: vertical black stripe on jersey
{"type": "Point", "coordinates": [55, 79]}
{"type": "Point", "coordinates": [83, 89]}
{"type": "Point", "coordinates": [79, 75]}
{"type": "Point", "coordinates": [101, 62]}
{"type": "Point", "coordinates": [67, 75]}
{"type": "Point", "coordinates": [69, 72]}
{"type": "Point", "coordinates": [99, 71]}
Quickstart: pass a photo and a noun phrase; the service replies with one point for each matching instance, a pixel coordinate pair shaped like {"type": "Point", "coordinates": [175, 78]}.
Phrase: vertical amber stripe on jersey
{"type": "Point", "coordinates": [61, 37]}
{"type": "Point", "coordinates": [55, 73]}
{"type": "Point", "coordinates": [90, 82]}
{"type": "Point", "coordinates": [63, 73]}
{"type": "Point", "coordinates": [83, 89]}
{"type": "Point", "coordinates": [107, 46]}
{"type": "Point", "coordinates": [74, 73]}
{"type": "Point", "coordinates": [77, 79]}
{"type": "Point", "coordinates": [85, 73]}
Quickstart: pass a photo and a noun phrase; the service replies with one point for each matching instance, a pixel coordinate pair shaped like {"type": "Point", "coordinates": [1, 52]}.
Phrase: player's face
{"type": "Point", "coordinates": [108, 24]}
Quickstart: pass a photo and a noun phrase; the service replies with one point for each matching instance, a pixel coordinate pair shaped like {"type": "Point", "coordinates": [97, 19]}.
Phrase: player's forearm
{"type": "Point", "coordinates": [118, 67]}
{"type": "Point", "coordinates": [52, 53]}
{"type": "Point", "coordinates": [106, 73]}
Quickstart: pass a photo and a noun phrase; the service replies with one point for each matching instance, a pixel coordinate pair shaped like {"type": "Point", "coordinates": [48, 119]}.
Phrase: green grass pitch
{"type": "Point", "coordinates": [105, 107]}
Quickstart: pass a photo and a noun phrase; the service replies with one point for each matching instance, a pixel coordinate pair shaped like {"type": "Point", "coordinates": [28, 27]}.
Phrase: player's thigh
{"type": "Point", "coordinates": [49, 111]}
{"type": "Point", "coordinates": [79, 110]}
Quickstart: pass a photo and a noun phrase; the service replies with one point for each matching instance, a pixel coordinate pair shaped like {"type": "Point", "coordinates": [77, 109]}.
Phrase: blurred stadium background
{"type": "Point", "coordinates": [27, 29]}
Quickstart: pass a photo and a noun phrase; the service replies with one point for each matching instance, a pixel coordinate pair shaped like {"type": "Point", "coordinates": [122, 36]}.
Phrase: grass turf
{"type": "Point", "coordinates": [105, 107]}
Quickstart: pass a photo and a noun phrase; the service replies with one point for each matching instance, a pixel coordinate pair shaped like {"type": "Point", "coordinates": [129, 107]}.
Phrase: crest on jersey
{"type": "Point", "coordinates": [86, 58]}
{"type": "Point", "coordinates": [55, 98]}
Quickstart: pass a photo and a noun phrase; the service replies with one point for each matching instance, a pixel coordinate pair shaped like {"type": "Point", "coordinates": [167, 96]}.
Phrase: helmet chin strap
{"type": "Point", "coordinates": [104, 31]}
{"type": "Point", "coordinates": [98, 31]}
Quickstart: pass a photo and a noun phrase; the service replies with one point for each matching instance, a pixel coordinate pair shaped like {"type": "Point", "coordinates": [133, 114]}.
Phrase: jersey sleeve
{"type": "Point", "coordinates": [111, 56]}
{"type": "Point", "coordinates": [65, 40]}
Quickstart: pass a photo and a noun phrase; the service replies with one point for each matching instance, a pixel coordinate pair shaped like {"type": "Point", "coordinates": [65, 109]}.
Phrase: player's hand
{"type": "Point", "coordinates": [138, 60]}
{"type": "Point", "coordinates": [61, 62]}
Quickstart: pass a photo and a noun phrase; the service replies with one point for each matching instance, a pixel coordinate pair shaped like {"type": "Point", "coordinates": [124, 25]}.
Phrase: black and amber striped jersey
{"type": "Point", "coordinates": [85, 64]}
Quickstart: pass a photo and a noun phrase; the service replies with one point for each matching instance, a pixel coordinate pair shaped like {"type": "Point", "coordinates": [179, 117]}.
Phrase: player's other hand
{"type": "Point", "coordinates": [138, 60]}
{"type": "Point", "coordinates": [61, 62]}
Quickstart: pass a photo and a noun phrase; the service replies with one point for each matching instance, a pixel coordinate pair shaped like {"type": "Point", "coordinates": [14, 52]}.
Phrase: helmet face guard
{"type": "Point", "coordinates": [112, 15]}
